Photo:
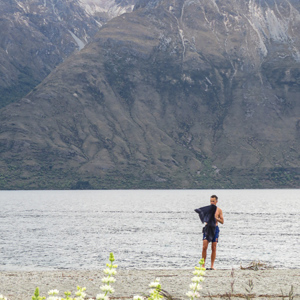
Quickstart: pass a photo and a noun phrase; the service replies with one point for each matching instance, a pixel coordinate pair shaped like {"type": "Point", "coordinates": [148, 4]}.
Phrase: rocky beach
{"type": "Point", "coordinates": [218, 284]}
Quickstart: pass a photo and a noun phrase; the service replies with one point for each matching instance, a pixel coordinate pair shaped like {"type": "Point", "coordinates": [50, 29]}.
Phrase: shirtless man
{"type": "Point", "coordinates": [219, 218]}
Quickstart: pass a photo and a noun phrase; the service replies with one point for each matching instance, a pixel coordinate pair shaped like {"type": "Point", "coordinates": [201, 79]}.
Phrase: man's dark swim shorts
{"type": "Point", "coordinates": [216, 237]}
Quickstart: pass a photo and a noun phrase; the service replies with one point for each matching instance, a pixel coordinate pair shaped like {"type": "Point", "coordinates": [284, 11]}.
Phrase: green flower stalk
{"type": "Point", "coordinates": [195, 287]}
{"type": "Point", "coordinates": [109, 271]}
{"type": "Point", "coordinates": [36, 295]}
{"type": "Point", "coordinates": [155, 292]}
{"type": "Point", "coordinates": [2, 297]}
{"type": "Point", "coordinates": [80, 294]}
{"type": "Point", "coordinates": [68, 294]}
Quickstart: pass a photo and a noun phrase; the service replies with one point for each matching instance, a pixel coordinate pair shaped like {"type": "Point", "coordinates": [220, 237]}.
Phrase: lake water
{"type": "Point", "coordinates": [44, 230]}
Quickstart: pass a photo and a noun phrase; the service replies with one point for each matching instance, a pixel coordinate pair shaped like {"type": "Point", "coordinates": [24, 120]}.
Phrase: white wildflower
{"type": "Point", "coordinates": [199, 273]}
{"type": "Point", "coordinates": [155, 295]}
{"type": "Point", "coordinates": [52, 298]}
{"type": "Point", "coordinates": [151, 291]}
{"type": "Point", "coordinates": [108, 280]}
{"type": "Point", "coordinates": [137, 297]}
{"type": "Point", "coordinates": [2, 297]}
{"type": "Point", "coordinates": [191, 294]}
{"type": "Point", "coordinates": [53, 292]}
{"type": "Point", "coordinates": [198, 279]}
{"type": "Point", "coordinates": [102, 297]}
{"type": "Point", "coordinates": [107, 288]}
{"type": "Point", "coordinates": [110, 271]}
{"type": "Point", "coordinates": [154, 284]}
{"type": "Point", "coordinates": [195, 287]}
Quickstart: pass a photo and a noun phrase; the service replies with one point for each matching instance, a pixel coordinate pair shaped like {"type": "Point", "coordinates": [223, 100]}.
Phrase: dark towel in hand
{"type": "Point", "coordinates": [207, 215]}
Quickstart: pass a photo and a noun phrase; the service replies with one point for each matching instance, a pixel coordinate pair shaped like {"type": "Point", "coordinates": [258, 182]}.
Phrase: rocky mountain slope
{"type": "Point", "coordinates": [105, 10]}
{"type": "Point", "coordinates": [178, 94]}
{"type": "Point", "coordinates": [37, 35]}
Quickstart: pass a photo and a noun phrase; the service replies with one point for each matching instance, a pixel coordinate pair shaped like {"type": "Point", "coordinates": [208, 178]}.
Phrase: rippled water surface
{"type": "Point", "coordinates": [145, 229]}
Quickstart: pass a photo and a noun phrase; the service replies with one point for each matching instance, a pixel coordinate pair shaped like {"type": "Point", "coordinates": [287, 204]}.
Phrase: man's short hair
{"type": "Point", "coordinates": [214, 196]}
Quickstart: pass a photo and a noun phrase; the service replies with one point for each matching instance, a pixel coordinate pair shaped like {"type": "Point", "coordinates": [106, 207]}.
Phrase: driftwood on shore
{"type": "Point", "coordinates": [257, 265]}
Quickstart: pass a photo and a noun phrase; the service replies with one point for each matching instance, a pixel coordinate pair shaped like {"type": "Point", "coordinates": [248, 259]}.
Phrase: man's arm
{"type": "Point", "coordinates": [219, 216]}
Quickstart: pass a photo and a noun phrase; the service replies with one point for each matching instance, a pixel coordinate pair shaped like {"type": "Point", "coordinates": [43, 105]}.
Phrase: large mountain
{"type": "Point", "coordinates": [178, 94]}
{"type": "Point", "coordinates": [37, 35]}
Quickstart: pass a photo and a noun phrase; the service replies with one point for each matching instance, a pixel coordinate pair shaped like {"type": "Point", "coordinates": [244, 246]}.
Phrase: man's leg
{"type": "Point", "coordinates": [204, 250]}
{"type": "Point", "coordinates": [213, 253]}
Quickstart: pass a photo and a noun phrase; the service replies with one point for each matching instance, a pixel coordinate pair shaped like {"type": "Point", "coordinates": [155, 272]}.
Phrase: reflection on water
{"type": "Point", "coordinates": [145, 229]}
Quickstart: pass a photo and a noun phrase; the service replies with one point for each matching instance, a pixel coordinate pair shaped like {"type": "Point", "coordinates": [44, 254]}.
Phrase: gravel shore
{"type": "Point", "coordinates": [268, 284]}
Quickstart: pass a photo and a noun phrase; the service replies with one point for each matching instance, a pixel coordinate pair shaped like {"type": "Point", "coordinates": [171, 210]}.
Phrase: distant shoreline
{"type": "Point", "coordinates": [268, 284]}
